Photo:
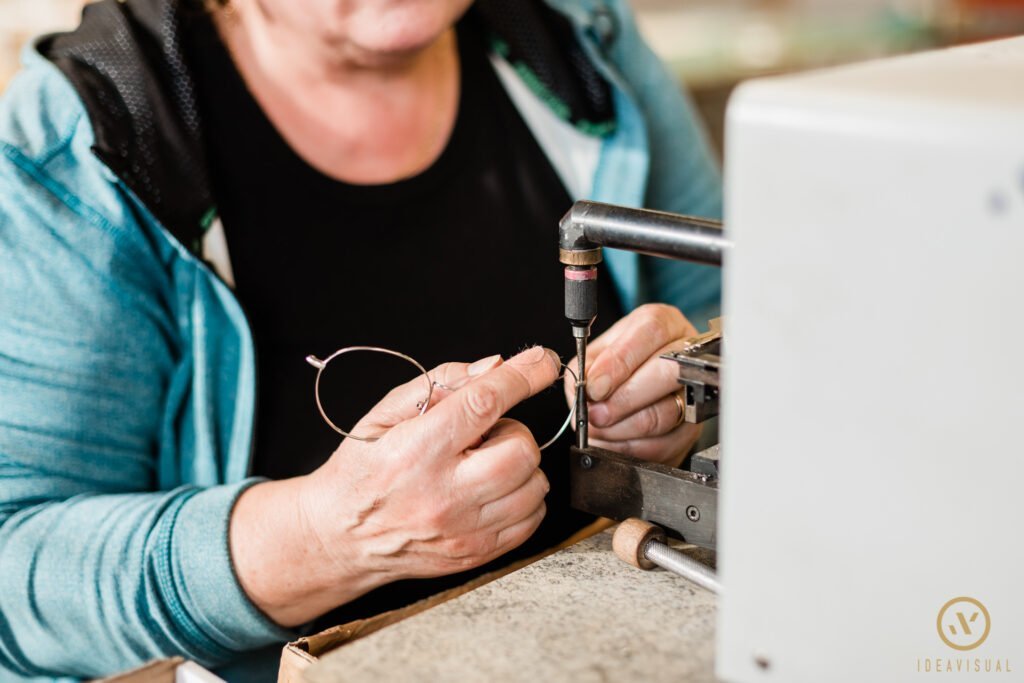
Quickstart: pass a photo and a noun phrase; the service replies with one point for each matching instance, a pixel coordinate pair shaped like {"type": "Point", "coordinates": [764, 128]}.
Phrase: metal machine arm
{"type": "Point", "coordinates": [591, 225]}
{"type": "Point", "coordinates": [615, 485]}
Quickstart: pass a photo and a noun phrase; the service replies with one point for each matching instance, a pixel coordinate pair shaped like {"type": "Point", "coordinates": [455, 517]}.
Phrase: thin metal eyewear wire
{"type": "Point", "coordinates": [422, 405]}
{"type": "Point", "coordinates": [572, 410]}
{"type": "Point", "coordinates": [321, 364]}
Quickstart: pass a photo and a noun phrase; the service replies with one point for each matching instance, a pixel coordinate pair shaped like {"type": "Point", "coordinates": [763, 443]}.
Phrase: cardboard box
{"type": "Point", "coordinates": [174, 670]}
{"type": "Point", "coordinates": [299, 655]}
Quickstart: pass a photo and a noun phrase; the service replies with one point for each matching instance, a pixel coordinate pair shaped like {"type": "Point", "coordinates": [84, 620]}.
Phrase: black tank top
{"type": "Point", "coordinates": [456, 263]}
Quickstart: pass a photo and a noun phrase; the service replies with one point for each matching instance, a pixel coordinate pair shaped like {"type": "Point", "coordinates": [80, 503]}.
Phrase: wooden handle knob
{"type": "Point", "coordinates": [631, 537]}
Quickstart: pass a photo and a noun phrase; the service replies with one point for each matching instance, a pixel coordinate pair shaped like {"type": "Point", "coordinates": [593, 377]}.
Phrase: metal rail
{"type": "Point", "coordinates": [589, 225]}
{"type": "Point", "coordinates": [675, 561]}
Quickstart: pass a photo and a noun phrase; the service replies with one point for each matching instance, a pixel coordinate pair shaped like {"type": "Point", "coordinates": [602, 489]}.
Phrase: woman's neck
{"type": "Point", "coordinates": [358, 117]}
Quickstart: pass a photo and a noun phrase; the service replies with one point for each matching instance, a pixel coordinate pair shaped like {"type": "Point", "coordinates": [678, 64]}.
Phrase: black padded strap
{"type": "Point", "coordinates": [542, 46]}
{"type": "Point", "coordinates": [126, 62]}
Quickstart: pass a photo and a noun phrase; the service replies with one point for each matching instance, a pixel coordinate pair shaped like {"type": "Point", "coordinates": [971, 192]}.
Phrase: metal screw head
{"type": "Point", "coordinates": [585, 462]}
{"type": "Point", "coordinates": [692, 513]}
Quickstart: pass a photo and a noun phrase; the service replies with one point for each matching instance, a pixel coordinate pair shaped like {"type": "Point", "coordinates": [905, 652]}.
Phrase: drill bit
{"type": "Point", "coordinates": [581, 393]}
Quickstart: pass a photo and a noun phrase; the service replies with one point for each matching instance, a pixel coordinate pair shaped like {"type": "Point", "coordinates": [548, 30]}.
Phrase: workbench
{"type": "Point", "coordinates": [580, 614]}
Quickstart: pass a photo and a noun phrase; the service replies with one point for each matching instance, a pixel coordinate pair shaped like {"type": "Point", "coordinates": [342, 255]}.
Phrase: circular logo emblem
{"type": "Point", "coordinates": [963, 623]}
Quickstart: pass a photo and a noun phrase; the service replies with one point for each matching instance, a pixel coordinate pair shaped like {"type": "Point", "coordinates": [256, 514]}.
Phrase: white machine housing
{"type": "Point", "coordinates": [873, 415]}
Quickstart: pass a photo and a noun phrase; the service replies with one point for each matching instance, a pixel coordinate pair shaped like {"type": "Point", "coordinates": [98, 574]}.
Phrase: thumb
{"type": "Point", "coordinates": [405, 401]}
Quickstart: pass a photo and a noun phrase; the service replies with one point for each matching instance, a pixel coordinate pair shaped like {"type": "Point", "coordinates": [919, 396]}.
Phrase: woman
{"type": "Point", "coordinates": [193, 199]}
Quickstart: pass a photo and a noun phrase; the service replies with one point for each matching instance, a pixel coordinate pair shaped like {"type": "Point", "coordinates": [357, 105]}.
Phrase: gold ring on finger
{"type": "Point", "coordinates": [681, 404]}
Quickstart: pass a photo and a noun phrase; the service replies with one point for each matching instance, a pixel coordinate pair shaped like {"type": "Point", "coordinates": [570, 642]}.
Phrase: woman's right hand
{"type": "Point", "coordinates": [438, 493]}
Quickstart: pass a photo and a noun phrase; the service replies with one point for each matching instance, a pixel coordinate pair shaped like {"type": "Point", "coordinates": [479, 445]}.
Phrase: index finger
{"type": "Point", "coordinates": [643, 332]}
{"type": "Point", "coordinates": [595, 347]}
{"type": "Point", "coordinates": [470, 412]}
{"type": "Point", "coordinates": [405, 401]}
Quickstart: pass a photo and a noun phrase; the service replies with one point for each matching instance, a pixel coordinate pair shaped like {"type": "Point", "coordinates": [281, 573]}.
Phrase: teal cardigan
{"type": "Point", "coordinates": [127, 378]}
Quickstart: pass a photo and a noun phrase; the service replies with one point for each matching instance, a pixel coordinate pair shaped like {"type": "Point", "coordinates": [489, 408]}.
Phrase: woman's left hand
{"type": "Point", "coordinates": [633, 406]}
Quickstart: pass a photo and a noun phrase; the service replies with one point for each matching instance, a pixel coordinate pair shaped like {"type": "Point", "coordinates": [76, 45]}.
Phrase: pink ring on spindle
{"type": "Point", "coordinates": [588, 274]}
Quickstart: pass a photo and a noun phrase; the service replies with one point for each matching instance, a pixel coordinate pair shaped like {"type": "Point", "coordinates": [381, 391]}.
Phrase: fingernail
{"type": "Point", "coordinates": [483, 365]}
{"type": "Point", "coordinates": [555, 359]}
{"type": "Point", "coordinates": [598, 387]}
{"type": "Point", "coordinates": [598, 414]}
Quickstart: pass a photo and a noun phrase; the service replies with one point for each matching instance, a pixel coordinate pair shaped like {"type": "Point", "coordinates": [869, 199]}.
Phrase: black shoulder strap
{"type": "Point", "coordinates": [127, 64]}
{"type": "Point", "coordinates": [542, 46]}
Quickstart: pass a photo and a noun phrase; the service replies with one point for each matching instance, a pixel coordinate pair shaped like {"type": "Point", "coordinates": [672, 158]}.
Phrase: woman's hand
{"type": "Point", "coordinates": [438, 493]}
{"type": "Point", "coordinates": [633, 408]}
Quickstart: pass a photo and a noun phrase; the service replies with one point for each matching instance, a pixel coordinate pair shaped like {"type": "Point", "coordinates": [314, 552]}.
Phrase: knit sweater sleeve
{"type": "Point", "coordinates": [99, 570]}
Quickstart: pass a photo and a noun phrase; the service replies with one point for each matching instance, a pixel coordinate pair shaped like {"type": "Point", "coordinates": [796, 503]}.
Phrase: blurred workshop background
{"type": "Point", "coordinates": [711, 45]}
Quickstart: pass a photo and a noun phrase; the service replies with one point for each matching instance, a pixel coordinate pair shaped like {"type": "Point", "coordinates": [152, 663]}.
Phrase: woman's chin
{"type": "Point", "coordinates": [395, 34]}
{"type": "Point", "coordinates": [391, 53]}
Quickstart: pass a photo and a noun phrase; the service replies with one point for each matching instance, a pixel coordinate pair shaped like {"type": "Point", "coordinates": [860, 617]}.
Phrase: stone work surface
{"type": "Point", "coordinates": [579, 615]}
